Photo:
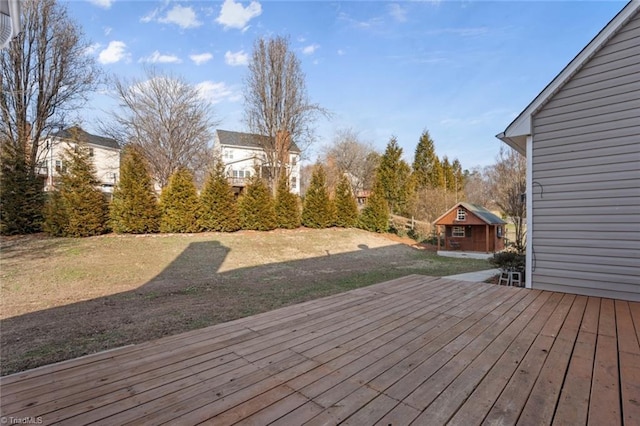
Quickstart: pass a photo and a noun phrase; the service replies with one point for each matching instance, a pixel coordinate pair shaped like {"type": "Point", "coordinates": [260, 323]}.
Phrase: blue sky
{"type": "Point", "coordinates": [461, 69]}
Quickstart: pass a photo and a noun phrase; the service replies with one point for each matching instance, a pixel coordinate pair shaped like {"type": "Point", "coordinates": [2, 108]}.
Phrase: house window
{"type": "Point", "coordinates": [241, 174]}
{"type": "Point", "coordinates": [228, 154]}
{"type": "Point", "coordinates": [462, 216]}
{"type": "Point", "coordinates": [293, 182]}
{"type": "Point", "coordinates": [457, 231]}
{"type": "Point", "coordinates": [90, 152]}
{"type": "Point", "coordinates": [60, 167]}
{"type": "Point", "coordinates": [294, 160]}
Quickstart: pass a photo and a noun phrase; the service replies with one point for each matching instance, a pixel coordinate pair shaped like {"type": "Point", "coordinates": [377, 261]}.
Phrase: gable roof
{"type": "Point", "coordinates": [482, 213]}
{"type": "Point", "coordinates": [247, 140]}
{"type": "Point", "coordinates": [516, 133]}
{"type": "Point", "coordinates": [76, 132]}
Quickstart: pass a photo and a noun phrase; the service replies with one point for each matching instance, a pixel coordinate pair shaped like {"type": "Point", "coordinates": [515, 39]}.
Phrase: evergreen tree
{"type": "Point", "coordinates": [437, 175]}
{"type": "Point", "coordinates": [287, 207]}
{"type": "Point", "coordinates": [448, 174]}
{"type": "Point", "coordinates": [179, 204]}
{"type": "Point", "coordinates": [375, 215]}
{"type": "Point", "coordinates": [134, 208]}
{"type": "Point", "coordinates": [346, 207]}
{"type": "Point", "coordinates": [394, 177]}
{"type": "Point", "coordinates": [21, 195]}
{"type": "Point", "coordinates": [256, 207]}
{"type": "Point", "coordinates": [318, 210]}
{"type": "Point", "coordinates": [79, 209]}
{"type": "Point", "coordinates": [424, 163]}
{"type": "Point", "coordinates": [458, 175]}
{"type": "Point", "coordinates": [219, 211]}
{"type": "Point", "coordinates": [55, 215]}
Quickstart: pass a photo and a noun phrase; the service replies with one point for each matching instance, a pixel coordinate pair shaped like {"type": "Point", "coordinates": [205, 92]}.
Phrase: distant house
{"type": "Point", "coordinates": [581, 137]}
{"type": "Point", "coordinates": [243, 156]}
{"type": "Point", "coordinates": [472, 228]}
{"type": "Point", "coordinates": [104, 152]}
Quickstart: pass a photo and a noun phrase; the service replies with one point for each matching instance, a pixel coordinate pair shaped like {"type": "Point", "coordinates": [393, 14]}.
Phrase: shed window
{"type": "Point", "coordinates": [458, 231]}
{"type": "Point", "coordinates": [462, 215]}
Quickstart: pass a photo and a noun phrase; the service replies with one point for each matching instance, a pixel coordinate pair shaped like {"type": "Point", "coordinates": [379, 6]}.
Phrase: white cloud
{"type": "Point", "coordinates": [107, 31]}
{"type": "Point", "coordinates": [185, 17]}
{"type": "Point", "coordinates": [201, 58]}
{"type": "Point", "coordinates": [342, 52]}
{"type": "Point", "coordinates": [397, 12]}
{"type": "Point", "coordinates": [150, 16]}
{"type": "Point", "coordinates": [158, 58]}
{"type": "Point", "coordinates": [234, 15]}
{"type": "Point", "coordinates": [310, 50]}
{"type": "Point", "coordinates": [115, 52]}
{"type": "Point", "coordinates": [236, 59]}
{"type": "Point", "coordinates": [91, 49]}
{"type": "Point", "coordinates": [216, 92]}
{"type": "Point", "coordinates": [105, 4]}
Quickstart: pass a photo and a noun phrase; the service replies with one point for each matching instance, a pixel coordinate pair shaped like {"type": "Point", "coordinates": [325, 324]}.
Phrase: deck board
{"type": "Point", "coordinates": [421, 350]}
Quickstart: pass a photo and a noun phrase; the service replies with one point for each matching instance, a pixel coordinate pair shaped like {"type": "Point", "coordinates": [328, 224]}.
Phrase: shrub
{"type": "Point", "coordinates": [318, 210]}
{"type": "Point", "coordinates": [256, 208]}
{"type": "Point", "coordinates": [287, 206]}
{"type": "Point", "coordinates": [219, 210]}
{"type": "Point", "coordinates": [509, 260]}
{"type": "Point", "coordinates": [345, 202]}
{"type": "Point", "coordinates": [179, 204]}
{"type": "Point", "coordinates": [134, 208]}
{"type": "Point", "coordinates": [78, 209]}
{"type": "Point", "coordinates": [375, 215]}
{"type": "Point", "coordinates": [21, 195]}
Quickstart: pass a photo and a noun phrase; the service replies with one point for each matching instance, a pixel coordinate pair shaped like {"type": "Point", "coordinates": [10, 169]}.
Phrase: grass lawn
{"type": "Point", "coordinates": [63, 298]}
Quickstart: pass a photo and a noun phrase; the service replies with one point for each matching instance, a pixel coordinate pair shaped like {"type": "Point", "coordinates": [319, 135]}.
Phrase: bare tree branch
{"type": "Point", "coordinates": [277, 104]}
{"type": "Point", "coordinates": [44, 75]}
{"type": "Point", "coordinates": [168, 119]}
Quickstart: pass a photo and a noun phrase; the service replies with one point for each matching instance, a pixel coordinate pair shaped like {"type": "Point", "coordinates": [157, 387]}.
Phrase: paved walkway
{"type": "Point", "coordinates": [476, 277]}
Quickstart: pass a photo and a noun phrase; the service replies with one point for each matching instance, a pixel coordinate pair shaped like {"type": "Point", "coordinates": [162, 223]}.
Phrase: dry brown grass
{"type": "Point", "coordinates": [62, 298]}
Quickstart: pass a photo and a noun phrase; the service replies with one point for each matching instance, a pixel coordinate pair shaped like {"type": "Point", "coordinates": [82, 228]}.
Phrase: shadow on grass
{"type": "Point", "coordinates": [188, 294]}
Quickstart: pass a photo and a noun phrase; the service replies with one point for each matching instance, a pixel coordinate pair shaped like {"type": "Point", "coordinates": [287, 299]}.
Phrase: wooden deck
{"type": "Point", "coordinates": [418, 350]}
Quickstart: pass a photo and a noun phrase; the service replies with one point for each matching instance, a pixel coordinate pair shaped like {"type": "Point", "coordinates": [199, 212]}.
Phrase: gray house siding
{"type": "Point", "coordinates": [586, 176]}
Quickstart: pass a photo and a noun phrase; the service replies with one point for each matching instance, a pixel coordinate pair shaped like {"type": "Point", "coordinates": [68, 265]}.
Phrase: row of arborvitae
{"type": "Point", "coordinates": [78, 209]}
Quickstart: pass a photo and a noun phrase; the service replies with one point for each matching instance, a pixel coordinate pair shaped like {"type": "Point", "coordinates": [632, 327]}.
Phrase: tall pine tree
{"type": "Point", "coordinates": [79, 209]}
{"type": "Point", "coordinates": [318, 210]}
{"type": "Point", "coordinates": [134, 208]}
{"type": "Point", "coordinates": [394, 176]}
{"type": "Point", "coordinates": [21, 195]}
{"type": "Point", "coordinates": [179, 204]}
{"type": "Point", "coordinates": [345, 202]}
{"type": "Point", "coordinates": [426, 163]}
{"type": "Point", "coordinates": [256, 207]}
{"type": "Point", "coordinates": [287, 206]}
{"type": "Point", "coordinates": [219, 208]}
{"type": "Point", "coordinates": [448, 174]}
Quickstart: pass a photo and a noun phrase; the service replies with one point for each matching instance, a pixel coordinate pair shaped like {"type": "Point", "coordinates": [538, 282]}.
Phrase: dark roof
{"type": "Point", "coordinates": [247, 140]}
{"type": "Point", "coordinates": [481, 212]}
{"type": "Point", "coordinates": [76, 132]}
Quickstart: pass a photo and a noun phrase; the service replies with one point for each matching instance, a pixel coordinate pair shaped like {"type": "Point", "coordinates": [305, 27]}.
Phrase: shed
{"type": "Point", "coordinates": [470, 227]}
{"type": "Point", "coordinates": [581, 137]}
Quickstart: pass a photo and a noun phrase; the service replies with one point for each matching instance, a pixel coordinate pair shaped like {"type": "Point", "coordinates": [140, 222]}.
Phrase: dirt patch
{"type": "Point", "coordinates": [62, 298]}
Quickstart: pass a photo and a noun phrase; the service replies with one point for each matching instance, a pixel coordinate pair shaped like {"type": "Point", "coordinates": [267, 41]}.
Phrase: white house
{"type": "Point", "coordinates": [105, 153]}
{"type": "Point", "coordinates": [242, 154]}
{"type": "Point", "coordinates": [581, 137]}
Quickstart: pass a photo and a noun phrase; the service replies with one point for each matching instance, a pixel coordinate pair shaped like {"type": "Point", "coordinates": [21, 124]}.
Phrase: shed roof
{"type": "Point", "coordinates": [75, 132]}
{"type": "Point", "coordinates": [247, 140]}
{"type": "Point", "coordinates": [477, 210]}
{"type": "Point", "coordinates": [516, 133]}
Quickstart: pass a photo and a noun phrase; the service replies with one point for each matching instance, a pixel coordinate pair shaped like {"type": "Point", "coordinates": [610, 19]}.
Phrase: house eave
{"type": "Point", "coordinates": [516, 133]}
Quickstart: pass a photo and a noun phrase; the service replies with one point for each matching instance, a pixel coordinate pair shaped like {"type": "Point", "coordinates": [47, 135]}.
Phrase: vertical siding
{"type": "Point", "coordinates": [586, 177]}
